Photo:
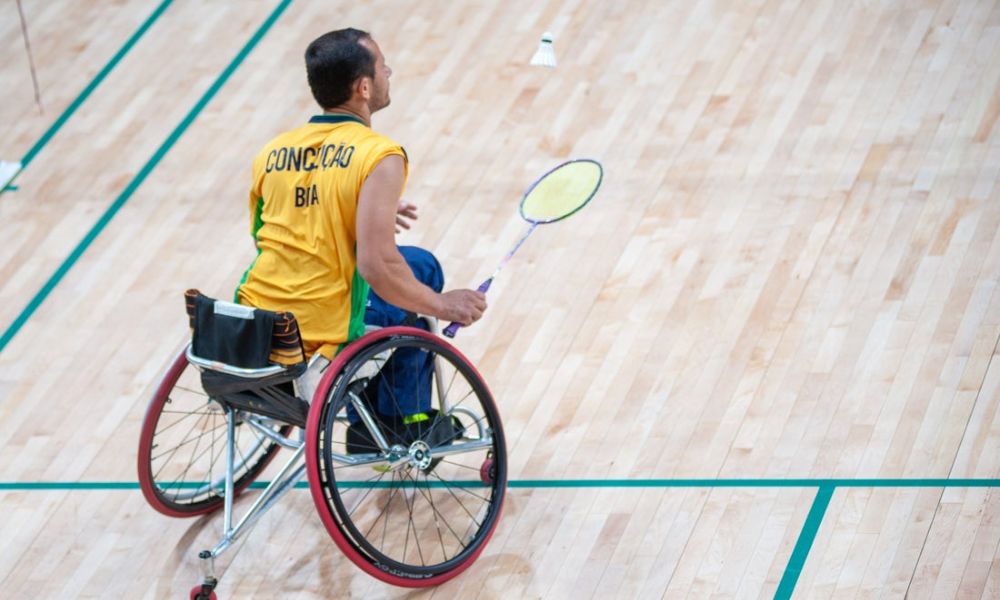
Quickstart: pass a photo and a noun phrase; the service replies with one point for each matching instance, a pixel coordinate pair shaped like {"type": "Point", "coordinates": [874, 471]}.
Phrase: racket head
{"type": "Point", "coordinates": [562, 191]}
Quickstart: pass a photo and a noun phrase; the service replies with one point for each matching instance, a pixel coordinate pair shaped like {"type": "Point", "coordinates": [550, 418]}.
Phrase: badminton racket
{"type": "Point", "coordinates": [556, 195]}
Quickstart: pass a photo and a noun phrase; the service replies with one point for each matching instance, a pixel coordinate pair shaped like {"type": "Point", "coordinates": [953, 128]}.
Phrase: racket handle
{"type": "Point", "coordinates": [452, 329]}
{"type": "Point", "coordinates": [484, 286]}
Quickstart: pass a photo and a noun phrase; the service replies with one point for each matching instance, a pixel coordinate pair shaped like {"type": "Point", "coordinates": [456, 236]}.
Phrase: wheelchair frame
{"type": "Point", "coordinates": [389, 457]}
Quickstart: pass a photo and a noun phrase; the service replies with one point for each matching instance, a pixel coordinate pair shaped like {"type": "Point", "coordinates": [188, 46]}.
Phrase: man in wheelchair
{"type": "Point", "coordinates": [324, 209]}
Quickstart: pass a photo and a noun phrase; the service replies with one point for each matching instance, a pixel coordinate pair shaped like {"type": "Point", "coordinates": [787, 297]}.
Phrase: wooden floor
{"type": "Point", "coordinates": [790, 277]}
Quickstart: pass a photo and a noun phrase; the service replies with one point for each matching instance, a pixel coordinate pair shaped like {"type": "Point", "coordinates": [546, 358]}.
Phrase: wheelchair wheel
{"type": "Point", "coordinates": [415, 511]}
{"type": "Point", "coordinates": [182, 447]}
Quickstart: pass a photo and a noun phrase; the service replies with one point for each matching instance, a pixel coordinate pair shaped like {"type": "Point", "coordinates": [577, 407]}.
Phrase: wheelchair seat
{"type": "Point", "coordinates": [248, 356]}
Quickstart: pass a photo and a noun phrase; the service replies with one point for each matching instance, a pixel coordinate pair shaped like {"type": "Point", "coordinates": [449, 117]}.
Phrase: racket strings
{"type": "Point", "coordinates": [556, 195]}
{"type": "Point", "coordinates": [562, 191]}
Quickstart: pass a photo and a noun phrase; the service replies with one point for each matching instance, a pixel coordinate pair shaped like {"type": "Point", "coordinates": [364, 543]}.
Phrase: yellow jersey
{"type": "Point", "coordinates": [303, 204]}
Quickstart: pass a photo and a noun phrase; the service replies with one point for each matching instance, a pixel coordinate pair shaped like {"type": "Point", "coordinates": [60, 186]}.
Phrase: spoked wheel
{"type": "Point", "coordinates": [412, 509]}
{"type": "Point", "coordinates": [182, 448]}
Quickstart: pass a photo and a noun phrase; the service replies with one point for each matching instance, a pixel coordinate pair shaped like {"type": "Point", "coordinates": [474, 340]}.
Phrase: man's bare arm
{"type": "Point", "coordinates": [385, 269]}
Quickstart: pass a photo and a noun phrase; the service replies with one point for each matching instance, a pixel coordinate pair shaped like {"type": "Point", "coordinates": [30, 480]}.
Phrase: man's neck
{"type": "Point", "coordinates": [360, 112]}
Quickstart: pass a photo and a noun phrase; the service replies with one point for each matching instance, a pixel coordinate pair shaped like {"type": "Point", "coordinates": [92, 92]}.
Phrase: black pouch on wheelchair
{"type": "Point", "coordinates": [241, 336]}
{"type": "Point", "coordinates": [251, 339]}
{"type": "Point", "coordinates": [233, 334]}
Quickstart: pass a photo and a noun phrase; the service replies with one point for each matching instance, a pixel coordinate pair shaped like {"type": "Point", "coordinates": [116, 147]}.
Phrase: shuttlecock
{"type": "Point", "coordinates": [545, 56]}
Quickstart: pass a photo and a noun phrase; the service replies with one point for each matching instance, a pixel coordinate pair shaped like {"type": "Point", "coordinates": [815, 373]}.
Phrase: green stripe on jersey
{"type": "Point", "coordinates": [359, 302]}
{"type": "Point", "coordinates": [258, 222]}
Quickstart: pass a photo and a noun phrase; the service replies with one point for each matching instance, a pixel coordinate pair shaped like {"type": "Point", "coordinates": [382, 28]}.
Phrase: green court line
{"type": "Point", "coordinates": [796, 562]}
{"type": "Point", "coordinates": [576, 483]}
{"type": "Point", "coordinates": [31, 486]}
{"type": "Point", "coordinates": [806, 537]}
{"type": "Point", "coordinates": [140, 177]}
{"type": "Point", "coordinates": [749, 483]}
{"type": "Point", "coordinates": [57, 125]}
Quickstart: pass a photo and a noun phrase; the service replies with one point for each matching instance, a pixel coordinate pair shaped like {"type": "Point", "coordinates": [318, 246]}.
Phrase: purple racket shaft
{"type": "Point", "coordinates": [452, 329]}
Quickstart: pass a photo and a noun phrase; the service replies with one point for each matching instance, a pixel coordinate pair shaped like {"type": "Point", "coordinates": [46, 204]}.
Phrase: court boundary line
{"type": "Point", "coordinates": [810, 528]}
{"type": "Point", "coordinates": [796, 561]}
{"type": "Point", "coordinates": [24, 486]}
{"type": "Point", "coordinates": [90, 87]}
{"type": "Point", "coordinates": [140, 177]}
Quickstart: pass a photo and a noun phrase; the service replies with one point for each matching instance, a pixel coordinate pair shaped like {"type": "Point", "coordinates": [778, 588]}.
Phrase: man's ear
{"type": "Point", "coordinates": [363, 86]}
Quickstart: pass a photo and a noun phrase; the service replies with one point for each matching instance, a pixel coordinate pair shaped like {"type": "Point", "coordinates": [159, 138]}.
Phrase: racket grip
{"type": "Point", "coordinates": [452, 329]}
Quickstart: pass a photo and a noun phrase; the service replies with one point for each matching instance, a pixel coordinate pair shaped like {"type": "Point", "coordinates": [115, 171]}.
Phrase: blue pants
{"type": "Point", "coordinates": [403, 387]}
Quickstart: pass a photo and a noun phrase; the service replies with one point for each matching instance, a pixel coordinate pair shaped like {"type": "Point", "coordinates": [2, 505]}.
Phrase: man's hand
{"type": "Point", "coordinates": [463, 306]}
{"type": "Point", "coordinates": [404, 211]}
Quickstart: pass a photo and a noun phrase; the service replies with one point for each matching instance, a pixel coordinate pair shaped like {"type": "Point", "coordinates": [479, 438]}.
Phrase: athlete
{"type": "Point", "coordinates": [325, 206]}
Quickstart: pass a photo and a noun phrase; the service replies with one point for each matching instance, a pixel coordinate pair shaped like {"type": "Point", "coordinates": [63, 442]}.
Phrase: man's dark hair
{"type": "Point", "coordinates": [334, 61]}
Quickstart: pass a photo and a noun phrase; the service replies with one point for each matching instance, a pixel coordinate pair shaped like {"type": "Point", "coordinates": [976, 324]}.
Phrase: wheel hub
{"type": "Point", "coordinates": [420, 454]}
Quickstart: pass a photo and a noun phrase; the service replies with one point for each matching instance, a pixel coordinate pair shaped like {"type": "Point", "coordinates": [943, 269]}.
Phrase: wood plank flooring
{"type": "Point", "coordinates": [790, 273]}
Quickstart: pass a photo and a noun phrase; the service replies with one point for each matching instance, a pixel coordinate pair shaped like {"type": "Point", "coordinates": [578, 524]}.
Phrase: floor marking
{"type": "Point", "coordinates": [133, 185]}
{"type": "Point", "coordinates": [796, 562]}
{"type": "Point", "coordinates": [94, 83]}
{"type": "Point", "coordinates": [806, 537]}
{"type": "Point", "coordinates": [20, 486]}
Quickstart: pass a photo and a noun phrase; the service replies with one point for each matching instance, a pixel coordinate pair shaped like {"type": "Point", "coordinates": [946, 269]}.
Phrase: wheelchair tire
{"type": "Point", "coordinates": [183, 445]}
{"type": "Point", "coordinates": [424, 519]}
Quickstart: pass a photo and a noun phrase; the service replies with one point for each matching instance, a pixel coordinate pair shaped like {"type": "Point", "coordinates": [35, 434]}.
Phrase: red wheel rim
{"type": "Point", "coordinates": [313, 465]}
{"type": "Point", "coordinates": [146, 483]}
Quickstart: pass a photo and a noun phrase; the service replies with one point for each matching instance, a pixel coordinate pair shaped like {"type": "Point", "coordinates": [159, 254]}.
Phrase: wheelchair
{"type": "Point", "coordinates": [412, 504]}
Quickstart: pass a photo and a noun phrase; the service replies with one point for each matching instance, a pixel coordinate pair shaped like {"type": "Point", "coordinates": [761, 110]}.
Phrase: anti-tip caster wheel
{"type": "Point", "coordinates": [202, 592]}
{"type": "Point", "coordinates": [487, 472]}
